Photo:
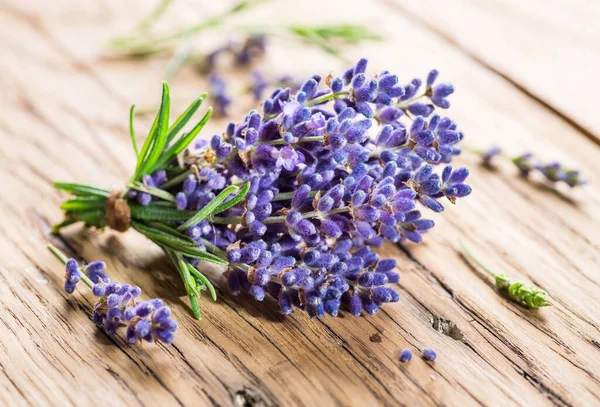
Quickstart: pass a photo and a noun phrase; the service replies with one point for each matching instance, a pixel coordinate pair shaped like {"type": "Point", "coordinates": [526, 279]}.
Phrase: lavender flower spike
{"type": "Point", "coordinates": [118, 304]}
{"type": "Point", "coordinates": [526, 163]}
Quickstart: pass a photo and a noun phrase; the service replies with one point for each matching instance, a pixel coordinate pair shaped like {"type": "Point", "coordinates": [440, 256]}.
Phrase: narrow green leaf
{"type": "Point", "coordinates": [161, 131]}
{"type": "Point", "coordinates": [184, 118]}
{"type": "Point", "coordinates": [170, 230]}
{"type": "Point", "coordinates": [184, 141]}
{"type": "Point", "coordinates": [96, 217]}
{"type": "Point", "coordinates": [188, 282]}
{"type": "Point", "coordinates": [164, 238]}
{"type": "Point", "coordinates": [132, 131]}
{"type": "Point", "coordinates": [138, 186]}
{"type": "Point", "coordinates": [58, 226]}
{"type": "Point", "coordinates": [204, 280]}
{"type": "Point", "coordinates": [226, 205]}
{"type": "Point", "coordinates": [81, 190]}
{"type": "Point", "coordinates": [177, 244]}
{"type": "Point", "coordinates": [194, 305]}
{"type": "Point", "coordinates": [202, 255]}
{"type": "Point", "coordinates": [81, 204]}
{"type": "Point", "coordinates": [146, 146]}
{"type": "Point", "coordinates": [157, 212]}
{"type": "Point", "coordinates": [208, 208]}
{"type": "Point", "coordinates": [175, 180]}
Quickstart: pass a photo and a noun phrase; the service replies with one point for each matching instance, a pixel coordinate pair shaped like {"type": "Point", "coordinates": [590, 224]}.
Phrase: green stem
{"type": "Point", "coordinates": [378, 151]}
{"type": "Point", "coordinates": [296, 140]}
{"type": "Point", "coordinates": [326, 98]}
{"type": "Point", "coordinates": [236, 220]}
{"type": "Point", "coordinates": [480, 264]}
{"type": "Point", "coordinates": [286, 196]}
{"type": "Point", "coordinates": [154, 43]}
{"type": "Point", "coordinates": [175, 180]}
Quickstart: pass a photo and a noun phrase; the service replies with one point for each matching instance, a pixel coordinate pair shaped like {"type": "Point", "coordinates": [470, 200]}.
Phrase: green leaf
{"type": "Point", "coordinates": [132, 131]}
{"type": "Point", "coordinates": [184, 141]}
{"type": "Point", "coordinates": [58, 226]}
{"type": "Point", "coordinates": [138, 186]}
{"type": "Point", "coordinates": [202, 255]}
{"type": "Point", "coordinates": [162, 237]}
{"type": "Point", "coordinates": [175, 180]}
{"type": "Point", "coordinates": [157, 212]}
{"type": "Point", "coordinates": [177, 244]}
{"type": "Point", "coordinates": [95, 217]}
{"type": "Point", "coordinates": [170, 230]}
{"type": "Point", "coordinates": [146, 146]}
{"type": "Point", "coordinates": [162, 128]}
{"type": "Point", "coordinates": [81, 190]}
{"type": "Point", "coordinates": [194, 305]}
{"type": "Point", "coordinates": [184, 118]}
{"type": "Point", "coordinates": [83, 204]}
{"type": "Point", "coordinates": [204, 280]}
{"type": "Point", "coordinates": [233, 201]}
{"type": "Point", "coordinates": [208, 208]}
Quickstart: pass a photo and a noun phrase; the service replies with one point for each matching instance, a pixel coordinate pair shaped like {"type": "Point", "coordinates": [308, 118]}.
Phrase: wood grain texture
{"type": "Point", "coordinates": [549, 50]}
{"type": "Point", "coordinates": [64, 117]}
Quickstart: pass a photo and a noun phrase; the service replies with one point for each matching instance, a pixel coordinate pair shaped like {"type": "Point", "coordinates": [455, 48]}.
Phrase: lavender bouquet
{"type": "Point", "coordinates": [292, 199]}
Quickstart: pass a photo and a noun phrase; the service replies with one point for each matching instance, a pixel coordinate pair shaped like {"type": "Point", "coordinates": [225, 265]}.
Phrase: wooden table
{"type": "Point", "coordinates": [526, 75]}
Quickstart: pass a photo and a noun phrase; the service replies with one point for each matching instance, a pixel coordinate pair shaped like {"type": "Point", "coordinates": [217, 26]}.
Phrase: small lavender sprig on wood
{"type": "Point", "coordinates": [554, 171]}
{"type": "Point", "coordinates": [518, 291]}
{"type": "Point", "coordinates": [143, 43]}
{"type": "Point", "coordinates": [117, 305]}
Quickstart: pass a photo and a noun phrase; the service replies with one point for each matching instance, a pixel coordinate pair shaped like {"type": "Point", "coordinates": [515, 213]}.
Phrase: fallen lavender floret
{"type": "Point", "coordinates": [117, 305]}
{"type": "Point", "coordinates": [405, 355]}
{"type": "Point", "coordinates": [553, 172]}
{"type": "Point", "coordinates": [429, 354]}
{"type": "Point", "coordinates": [292, 198]}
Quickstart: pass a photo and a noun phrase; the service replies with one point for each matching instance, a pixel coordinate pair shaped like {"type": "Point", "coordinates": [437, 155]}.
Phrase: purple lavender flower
{"type": "Point", "coordinates": [553, 171]}
{"type": "Point", "coordinates": [405, 355]}
{"type": "Point", "coordinates": [118, 304]}
{"type": "Point", "coordinates": [219, 94]}
{"type": "Point", "coordinates": [319, 281]}
{"type": "Point", "coordinates": [72, 275]}
{"type": "Point", "coordinates": [489, 154]}
{"type": "Point", "coordinates": [429, 354]}
{"type": "Point", "coordinates": [258, 84]}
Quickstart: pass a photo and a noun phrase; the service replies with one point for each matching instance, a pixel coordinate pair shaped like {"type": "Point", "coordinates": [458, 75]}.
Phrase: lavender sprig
{"type": "Point", "coordinates": [518, 291]}
{"type": "Point", "coordinates": [142, 43]}
{"type": "Point", "coordinates": [118, 304]}
{"type": "Point", "coordinates": [553, 172]}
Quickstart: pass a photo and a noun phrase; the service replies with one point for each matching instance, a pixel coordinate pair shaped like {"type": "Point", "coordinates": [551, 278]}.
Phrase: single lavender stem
{"type": "Point", "coordinates": [482, 153]}
{"type": "Point", "coordinates": [472, 257]}
{"type": "Point", "coordinates": [327, 97]}
{"type": "Point", "coordinates": [296, 140]}
{"type": "Point", "coordinates": [61, 256]}
{"type": "Point", "coordinates": [377, 151]}
{"type": "Point", "coordinates": [518, 291]}
{"type": "Point", "coordinates": [403, 105]}
{"type": "Point", "coordinates": [286, 196]}
{"type": "Point", "coordinates": [236, 220]}
{"type": "Point", "coordinates": [175, 180]}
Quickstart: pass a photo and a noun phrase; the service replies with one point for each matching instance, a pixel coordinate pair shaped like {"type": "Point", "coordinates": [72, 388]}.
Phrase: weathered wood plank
{"type": "Point", "coordinates": [66, 119]}
{"type": "Point", "coordinates": [546, 49]}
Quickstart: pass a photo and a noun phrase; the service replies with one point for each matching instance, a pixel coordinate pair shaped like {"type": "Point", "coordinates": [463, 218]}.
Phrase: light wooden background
{"type": "Point", "coordinates": [526, 75]}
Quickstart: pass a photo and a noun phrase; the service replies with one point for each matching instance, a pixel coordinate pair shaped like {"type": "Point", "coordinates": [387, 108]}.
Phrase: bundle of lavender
{"type": "Point", "coordinates": [291, 199]}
